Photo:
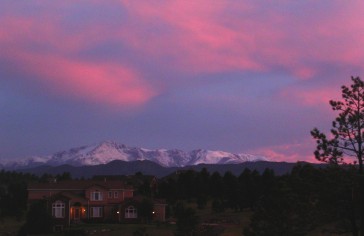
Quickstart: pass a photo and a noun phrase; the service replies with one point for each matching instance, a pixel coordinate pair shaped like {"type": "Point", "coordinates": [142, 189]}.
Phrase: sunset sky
{"type": "Point", "coordinates": [238, 76]}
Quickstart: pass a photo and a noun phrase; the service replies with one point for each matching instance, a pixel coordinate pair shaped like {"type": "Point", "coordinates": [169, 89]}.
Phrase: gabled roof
{"type": "Point", "coordinates": [69, 196]}
{"type": "Point", "coordinates": [79, 185]}
{"type": "Point", "coordinates": [73, 197]}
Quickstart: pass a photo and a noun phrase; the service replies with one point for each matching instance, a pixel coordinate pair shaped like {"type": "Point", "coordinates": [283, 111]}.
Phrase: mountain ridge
{"type": "Point", "coordinates": [118, 167]}
{"type": "Point", "coordinates": [107, 151]}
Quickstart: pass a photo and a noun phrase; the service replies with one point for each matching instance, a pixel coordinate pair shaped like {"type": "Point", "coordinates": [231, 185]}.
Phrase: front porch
{"type": "Point", "coordinates": [78, 213]}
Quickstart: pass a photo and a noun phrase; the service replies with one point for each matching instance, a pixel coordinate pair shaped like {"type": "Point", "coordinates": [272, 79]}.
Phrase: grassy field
{"type": "Point", "coordinates": [10, 226]}
{"type": "Point", "coordinates": [228, 223]}
{"type": "Point", "coordinates": [127, 229]}
{"type": "Point", "coordinates": [225, 224]}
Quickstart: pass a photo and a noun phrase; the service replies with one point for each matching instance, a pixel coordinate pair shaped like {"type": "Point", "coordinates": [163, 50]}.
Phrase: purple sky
{"type": "Point", "coordinates": [238, 76]}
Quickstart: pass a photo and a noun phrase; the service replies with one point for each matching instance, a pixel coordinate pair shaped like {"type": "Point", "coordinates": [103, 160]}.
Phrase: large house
{"type": "Point", "coordinates": [91, 201]}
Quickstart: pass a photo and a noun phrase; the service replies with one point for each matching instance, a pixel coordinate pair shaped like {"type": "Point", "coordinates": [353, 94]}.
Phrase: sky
{"type": "Point", "coordinates": [238, 76]}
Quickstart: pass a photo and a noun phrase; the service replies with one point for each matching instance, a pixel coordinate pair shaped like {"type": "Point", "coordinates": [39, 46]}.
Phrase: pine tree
{"type": "Point", "coordinates": [347, 136]}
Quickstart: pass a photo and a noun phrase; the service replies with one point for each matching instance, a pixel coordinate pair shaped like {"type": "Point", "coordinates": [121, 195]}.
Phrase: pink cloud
{"type": "Point", "coordinates": [104, 83]}
{"type": "Point", "coordinates": [293, 152]}
{"type": "Point", "coordinates": [198, 40]}
{"type": "Point", "coordinates": [204, 37]}
{"type": "Point", "coordinates": [311, 97]}
{"type": "Point", "coordinates": [289, 152]}
{"type": "Point", "coordinates": [198, 36]}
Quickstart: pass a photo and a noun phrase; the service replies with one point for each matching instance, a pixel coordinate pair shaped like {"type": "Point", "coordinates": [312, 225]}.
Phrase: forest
{"type": "Point", "coordinates": [306, 199]}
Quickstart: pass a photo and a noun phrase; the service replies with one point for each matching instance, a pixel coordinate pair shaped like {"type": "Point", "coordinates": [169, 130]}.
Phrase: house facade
{"type": "Point", "coordinates": [90, 201]}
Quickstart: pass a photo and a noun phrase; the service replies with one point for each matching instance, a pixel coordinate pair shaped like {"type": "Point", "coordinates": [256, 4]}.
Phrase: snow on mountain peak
{"type": "Point", "coordinates": [108, 151]}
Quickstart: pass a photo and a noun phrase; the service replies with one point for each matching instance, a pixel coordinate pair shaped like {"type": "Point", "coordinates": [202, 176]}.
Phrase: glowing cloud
{"type": "Point", "coordinates": [110, 83]}
{"type": "Point", "coordinates": [288, 56]}
{"type": "Point", "coordinates": [229, 35]}
{"type": "Point", "coordinates": [311, 97]}
{"type": "Point", "coordinates": [100, 83]}
{"type": "Point", "coordinates": [301, 151]}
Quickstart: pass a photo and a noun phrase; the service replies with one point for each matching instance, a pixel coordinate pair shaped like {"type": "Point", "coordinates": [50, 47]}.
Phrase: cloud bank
{"type": "Point", "coordinates": [165, 67]}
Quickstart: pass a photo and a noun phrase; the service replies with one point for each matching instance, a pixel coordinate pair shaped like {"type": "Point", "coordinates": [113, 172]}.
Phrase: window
{"type": "Point", "coordinates": [96, 196]}
{"type": "Point", "coordinates": [131, 212]}
{"type": "Point", "coordinates": [116, 194]}
{"type": "Point", "coordinates": [96, 212]}
{"type": "Point", "coordinates": [110, 194]}
{"type": "Point", "coordinates": [58, 209]}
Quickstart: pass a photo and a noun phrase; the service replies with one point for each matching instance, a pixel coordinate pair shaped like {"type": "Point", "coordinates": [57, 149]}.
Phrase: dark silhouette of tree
{"type": "Point", "coordinates": [245, 192]}
{"type": "Point", "coordinates": [145, 210]}
{"type": "Point", "coordinates": [13, 193]}
{"type": "Point", "coordinates": [230, 189]}
{"type": "Point", "coordinates": [45, 178]}
{"type": "Point", "coordinates": [187, 221]}
{"type": "Point", "coordinates": [216, 186]}
{"type": "Point", "coordinates": [347, 129]}
{"type": "Point", "coordinates": [280, 213]}
{"type": "Point", "coordinates": [145, 188]}
{"type": "Point", "coordinates": [186, 184]}
{"type": "Point", "coordinates": [38, 220]}
{"type": "Point", "coordinates": [251, 187]}
{"type": "Point", "coordinates": [347, 135]}
{"type": "Point", "coordinates": [202, 188]}
{"type": "Point", "coordinates": [168, 189]}
{"type": "Point", "coordinates": [64, 176]}
{"type": "Point", "coordinates": [307, 198]}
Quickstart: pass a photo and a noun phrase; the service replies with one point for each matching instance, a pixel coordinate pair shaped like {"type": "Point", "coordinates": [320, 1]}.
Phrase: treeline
{"type": "Point", "coordinates": [14, 194]}
{"type": "Point", "coordinates": [306, 199]}
{"type": "Point", "coordinates": [226, 191]}
{"type": "Point", "coordinates": [293, 204]}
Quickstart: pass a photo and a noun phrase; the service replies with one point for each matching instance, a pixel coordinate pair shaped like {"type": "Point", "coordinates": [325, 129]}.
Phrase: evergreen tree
{"type": "Point", "coordinates": [187, 221]}
{"type": "Point", "coordinates": [216, 186]}
{"type": "Point", "coordinates": [38, 220]}
{"type": "Point", "coordinates": [231, 190]}
{"type": "Point", "coordinates": [145, 210]}
{"type": "Point", "coordinates": [347, 135]}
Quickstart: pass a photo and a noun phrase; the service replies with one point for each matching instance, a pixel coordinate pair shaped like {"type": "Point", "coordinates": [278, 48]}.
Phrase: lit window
{"type": "Point", "coordinates": [116, 194]}
{"type": "Point", "coordinates": [58, 209]}
{"type": "Point", "coordinates": [131, 212]}
{"type": "Point", "coordinates": [96, 212]}
{"type": "Point", "coordinates": [96, 196]}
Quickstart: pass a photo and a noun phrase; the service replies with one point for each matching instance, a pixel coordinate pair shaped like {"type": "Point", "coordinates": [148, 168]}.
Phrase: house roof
{"type": "Point", "coordinates": [74, 197]}
{"type": "Point", "coordinates": [79, 185]}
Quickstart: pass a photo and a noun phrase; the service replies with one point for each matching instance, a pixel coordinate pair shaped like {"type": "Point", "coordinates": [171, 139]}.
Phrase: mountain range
{"type": "Point", "coordinates": [151, 168]}
{"type": "Point", "coordinates": [108, 151]}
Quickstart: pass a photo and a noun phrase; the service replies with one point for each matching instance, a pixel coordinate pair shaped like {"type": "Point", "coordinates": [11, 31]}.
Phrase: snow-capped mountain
{"type": "Point", "coordinates": [108, 151]}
